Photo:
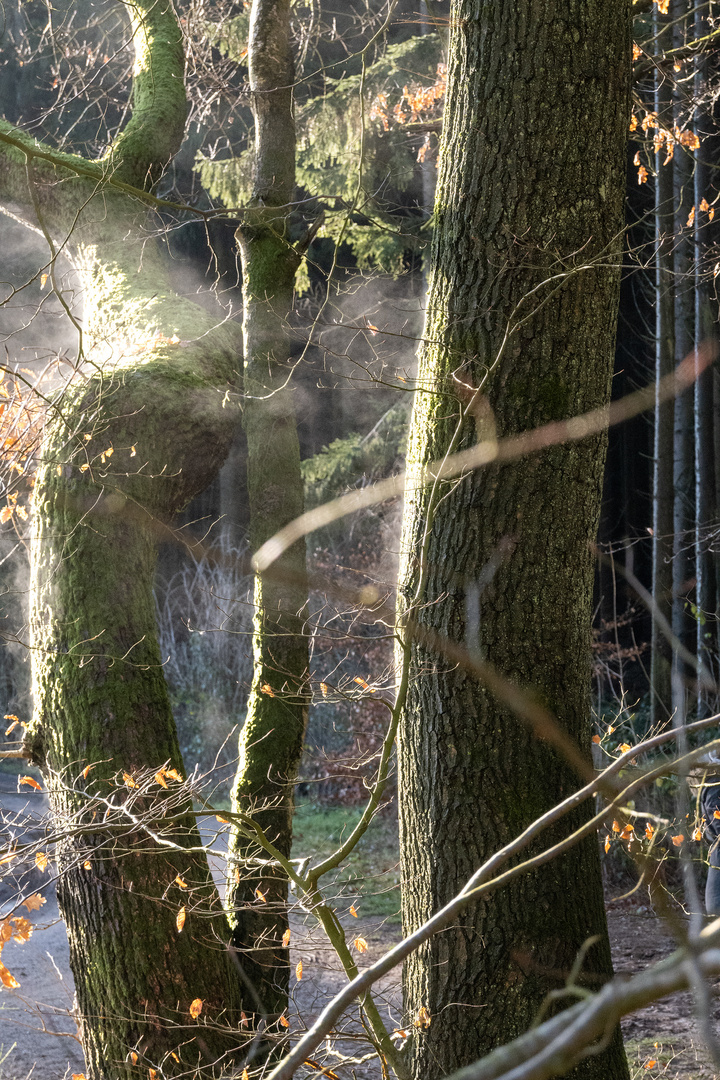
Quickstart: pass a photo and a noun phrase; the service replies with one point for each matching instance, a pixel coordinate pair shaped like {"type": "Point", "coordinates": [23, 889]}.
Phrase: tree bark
{"type": "Point", "coordinates": [140, 431]}
{"type": "Point", "coordinates": [271, 742]}
{"type": "Point", "coordinates": [100, 694]}
{"type": "Point", "coordinates": [705, 463]}
{"type": "Point", "coordinates": [520, 330]}
{"type": "Point", "coordinates": [683, 568]}
{"type": "Point", "coordinates": [662, 537]}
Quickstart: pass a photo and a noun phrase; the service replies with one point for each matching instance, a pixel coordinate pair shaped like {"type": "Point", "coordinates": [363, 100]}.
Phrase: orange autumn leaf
{"type": "Point", "coordinates": [152, 1073]}
{"type": "Point", "coordinates": [245, 1075]}
{"type": "Point", "coordinates": [34, 902]}
{"type": "Point", "coordinates": [266, 688]}
{"type": "Point", "coordinates": [637, 53]}
{"type": "Point", "coordinates": [180, 919]}
{"type": "Point", "coordinates": [133, 1057]}
{"type": "Point", "coordinates": [624, 747]}
{"type": "Point", "coordinates": [173, 774]}
{"type": "Point", "coordinates": [353, 912]}
{"type": "Point", "coordinates": [691, 218]}
{"type": "Point", "coordinates": [128, 780]}
{"type": "Point", "coordinates": [222, 820]}
{"type": "Point", "coordinates": [688, 139]}
{"type": "Point", "coordinates": [259, 895]}
{"type": "Point", "coordinates": [716, 813]}
{"type": "Point", "coordinates": [196, 1007]}
{"type": "Point", "coordinates": [30, 782]}
{"type": "Point", "coordinates": [286, 938]}
{"type": "Point", "coordinates": [86, 771]}
{"type": "Point", "coordinates": [7, 979]}
{"type": "Point", "coordinates": [87, 864]}
{"type": "Point", "coordinates": [325, 689]}
{"type": "Point", "coordinates": [677, 840]}
{"type": "Point", "coordinates": [627, 833]}
{"type": "Point", "coordinates": [41, 860]}
{"type": "Point", "coordinates": [361, 682]}
{"type": "Point", "coordinates": [160, 778]}
{"type": "Point", "coordinates": [423, 1019]}
{"type": "Point", "coordinates": [607, 844]}
{"type": "Point", "coordinates": [78, 1076]}
{"type": "Point", "coordinates": [360, 944]}
{"type": "Point", "coordinates": [22, 930]}
{"type": "Point", "coordinates": [649, 831]}
{"type": "Point", "coordinates": [179, 881]}
{"type": "Point", "coordinates": [284, 1022]}
{"type": "Point", "coordinates": [615, 827]}
{"type": "Point", "coordinates": [5, 514]}
{"type": "Point", "coordinates": [596, 739]}
{"type": "Point", "coordinates": [663, 6]}
{"type": "Point", "coordinates": [650, 1064]}
{"type": "Point", "coordinates": [697, 835]}
{"type": "Point", "coordinates": [15, 722]}
{"type": "Point", "coordinates": [298, 970]}
{"type": "Point", "coordinates": [642, 175]}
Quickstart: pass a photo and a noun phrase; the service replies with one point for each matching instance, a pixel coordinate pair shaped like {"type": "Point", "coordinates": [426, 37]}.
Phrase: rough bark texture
{"type": "Point", "coordinates": [99, 689]}
{"type": "Point", "coordinates": [522, 303]}
{"type": "Point", "coordinates": [272, 737]}
{"type": "Point", "coordinates": [142, 430]}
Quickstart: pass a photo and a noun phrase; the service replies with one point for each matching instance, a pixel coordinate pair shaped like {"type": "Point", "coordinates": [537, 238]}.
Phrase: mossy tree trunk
{"type": "Point", "coordinates": [129, 443]}
{"type": "Point", "coordinates": [522, 307]}
{"type": "Point", "coordinates": [272, 738]}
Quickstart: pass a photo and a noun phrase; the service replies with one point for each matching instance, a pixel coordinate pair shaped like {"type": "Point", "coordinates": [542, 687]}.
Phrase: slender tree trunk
{"type": "Point", "coordinates": [522, 308]}
{"type": "Point", "coordinates": [683, 452]}
{"type": "Point", "coordinates": [705, 464]}
{"type": "Point", "coordinates": [272, 737]}
{"type": "Point", "coordinates": [662, 545]}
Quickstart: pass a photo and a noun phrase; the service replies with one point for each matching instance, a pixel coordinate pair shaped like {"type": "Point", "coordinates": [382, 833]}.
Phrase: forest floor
{"type": "Point", "coordinates": [37, 1031]}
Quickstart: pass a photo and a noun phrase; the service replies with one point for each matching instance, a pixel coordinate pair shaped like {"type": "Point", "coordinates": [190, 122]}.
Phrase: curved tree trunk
{"type": "Point", "coordinates": [100, 693]}
{"type": "Point", "coordinates": [271, 741]}
{"type": "Point", "coordinates": [520, 330]}
{"type": "Point", "coordinates": [142, 430]}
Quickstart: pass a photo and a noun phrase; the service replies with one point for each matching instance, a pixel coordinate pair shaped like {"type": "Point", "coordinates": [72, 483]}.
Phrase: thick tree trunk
{"type": "Point", "coordinates": [522, 307]}
{"type": "Point", "coordinates": [143, 429]}
{"type": "Point", "coordinates": [272, 737]}
{"type": "Point", "coordinates": [125, 450]}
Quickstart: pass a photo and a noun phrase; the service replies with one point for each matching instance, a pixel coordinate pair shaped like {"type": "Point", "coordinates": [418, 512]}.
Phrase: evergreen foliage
{"type": "Point", "coordinates": [361, 172]}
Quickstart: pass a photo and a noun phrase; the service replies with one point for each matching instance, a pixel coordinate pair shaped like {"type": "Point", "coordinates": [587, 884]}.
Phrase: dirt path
{"type": "Point", "coordinates": [37, 1031]}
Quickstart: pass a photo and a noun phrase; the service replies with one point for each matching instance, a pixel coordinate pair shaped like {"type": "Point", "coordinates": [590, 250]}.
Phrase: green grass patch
{"type": "Point", "coordinates": [370, 877]}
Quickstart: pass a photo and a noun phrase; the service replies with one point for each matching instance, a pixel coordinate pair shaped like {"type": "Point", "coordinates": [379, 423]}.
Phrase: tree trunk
{"type": "Point", "coordinates": [126, 450]}
{"type": "Point", "coordinates": [272, 737]}
{"type": "Point", "coordinates": [705, 463]}
{"type": "Point", "coordinates": [683, 568]}
{"type": "Point", "coordinates": [522, 308]}
{"type": "Point", "coordinates": [662, 543]}
{"type": "Point", "coordinates": [142, 429]}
